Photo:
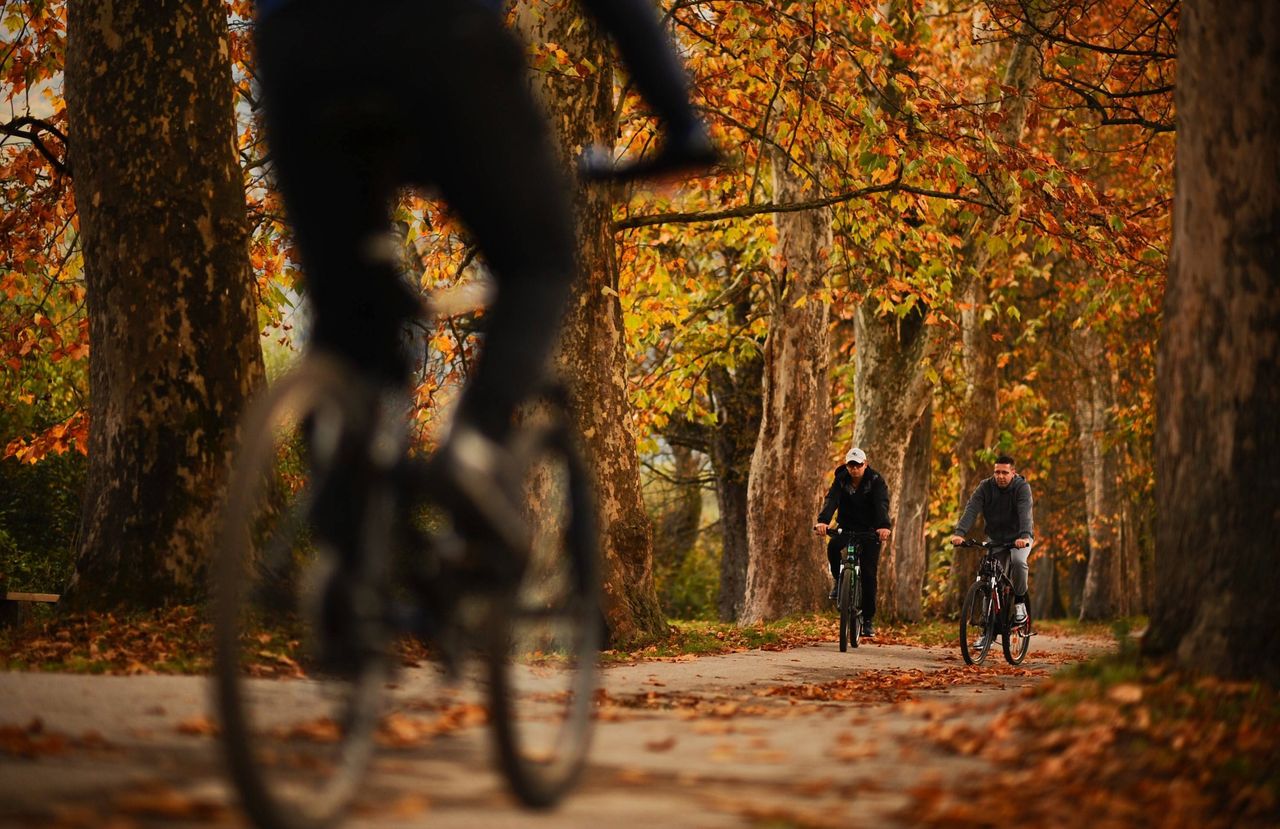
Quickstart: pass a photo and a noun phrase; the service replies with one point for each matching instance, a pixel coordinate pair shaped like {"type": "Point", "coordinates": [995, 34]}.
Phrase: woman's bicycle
{"type": "Point", "coordinates": [987, 611]}
{"type": "Point", "coordinates": [338, 547]}
{"type": "Point", "coordinates": [849, 586]}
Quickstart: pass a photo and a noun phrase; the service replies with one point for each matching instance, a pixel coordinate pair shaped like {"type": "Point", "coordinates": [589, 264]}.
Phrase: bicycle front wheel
{"type": "Point", "coordinates": [976, 628]}
{"type": "Point", "coordinates": [855, 614]}
{"type": "Point", "coordinates": [543, 665]}
{"type": "Point", "coordinates": [1017, 640]}
{"type": "Point", "coordinates": [298, 708]}
{"type": "Point", "coordinates": [845, 600]}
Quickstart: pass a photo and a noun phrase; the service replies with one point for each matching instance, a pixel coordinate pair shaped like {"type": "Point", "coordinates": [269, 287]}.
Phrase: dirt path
{"type": "Point", "coordinates": [808, 737]}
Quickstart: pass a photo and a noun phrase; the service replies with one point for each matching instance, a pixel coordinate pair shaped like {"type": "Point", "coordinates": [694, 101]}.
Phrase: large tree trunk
{"type": "Point", "coordinates": [171, 299]}
{"type": "Point", "coordinates": [1104, 594]}
{"type": "Point", "coordinates": [892, 395]}
{"type": "Point", "coordinates": [787, 567]}
{"type": "Point", "coordinates": [979, 419]}
{"type": "Point", "coordinates": [738, 407]}
{"type": "Point", "coordinates": [593, 349]}
{"type": "Point", "coordinates": [1217, 446]}
{"type": "Point", "coordinates": [905, 569]}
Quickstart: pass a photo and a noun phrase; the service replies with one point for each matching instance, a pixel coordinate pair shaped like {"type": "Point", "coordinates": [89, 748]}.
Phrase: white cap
{"type": "Point", "coordinates": [855, 454]}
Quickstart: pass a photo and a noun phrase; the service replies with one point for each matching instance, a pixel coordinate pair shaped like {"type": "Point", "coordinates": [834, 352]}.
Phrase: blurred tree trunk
{"type": "Point", "coordinates": [1217, 446]}
{"type": "Point", "coordinates": [787, 567]}
{"type": "Point", "coordinates": [171, 298]}
{"type": "Point", "coordinates": [1104, 594]}
{"type": "Point", "coordinates": [680, 515]}
{"type": "Point", "coordinates": [593, 347]}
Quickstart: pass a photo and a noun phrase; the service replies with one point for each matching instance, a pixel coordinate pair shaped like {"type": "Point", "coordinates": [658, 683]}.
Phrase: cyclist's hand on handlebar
{"type": "Point", "coordinates": [680, 152]}
{"type": "Point", "coordinates": [1022, 542]}
{"type": "Point", "coordinates": [957, 540]}
{"type": "Point", "coordinates": [820, 528]}
{"type": "Point", "coordinates": [883, 534]}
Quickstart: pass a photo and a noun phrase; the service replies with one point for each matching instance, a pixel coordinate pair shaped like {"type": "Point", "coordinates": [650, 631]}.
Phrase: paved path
{"type": "Point", "coordinates": [808, 737]}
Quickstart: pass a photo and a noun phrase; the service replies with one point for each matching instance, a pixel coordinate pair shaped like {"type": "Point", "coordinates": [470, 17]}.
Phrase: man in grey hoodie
{"type": "Point", "coordinates": [1004, 500]}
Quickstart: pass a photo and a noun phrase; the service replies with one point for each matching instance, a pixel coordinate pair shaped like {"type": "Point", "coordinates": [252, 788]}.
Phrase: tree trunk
{"type": "Point", "coordinates": [679, 515]}
{"type": "Point", "coordinates": [1217, 446]}
{"type": "Point", "coordinates": [1104, 594]}
{"type": "Point", "coordinates": [980, 421]}
{"type": "Point", "coordinates": [738, 407]}
{"type": "Point", "coordinates": [891, 396]}
{"type": "Point", "coordinates": [787, 567]}
{"type": "Point", "coordinates": [171, 298]}
{"type": "Point", "coordinates": [593, 347]}
{"type": "Point", "coordinates": [905, 569]}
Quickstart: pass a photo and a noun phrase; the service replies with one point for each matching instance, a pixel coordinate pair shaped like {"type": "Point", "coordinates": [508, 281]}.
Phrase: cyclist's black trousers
{"type": "Point", "coordinates": [870, 564]}
{"type": "Point", "coordinates": [426, 94]}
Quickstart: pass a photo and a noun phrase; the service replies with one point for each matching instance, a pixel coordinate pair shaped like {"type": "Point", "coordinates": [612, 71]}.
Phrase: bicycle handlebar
{"type": "Point", "coordinates": [986, 545]}
{"type": "Point", "coordinates": [682, 154]}
{"type": "Point", "coordinates": [834, 531]}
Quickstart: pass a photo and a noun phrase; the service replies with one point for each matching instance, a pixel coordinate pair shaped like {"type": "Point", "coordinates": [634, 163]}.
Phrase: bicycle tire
{"type": "Point", "coordinates": [543, 664]}
{"type": "Point", "coordinates": [845, 601]}
{"type": "Point", "coordinates": [1017, 639]}
{"type": "Point", "coordinates": [855, 612]}
{"type": "Point", "coordinates": [975, 618]}
{"type": "Point", "coordinates": [297, 748]}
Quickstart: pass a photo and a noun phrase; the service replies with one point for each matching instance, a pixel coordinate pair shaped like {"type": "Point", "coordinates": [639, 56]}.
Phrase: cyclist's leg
{"type": "Point", "coordinates": [495, 164]}
{"type": "Point", "coordinates": [1018, 573]}
{"type": "Point", "coordinates": [650, 58]}
{"type": "Point", "coordinates": [870, 567]}
{"type": "Point", "coordinates": [330, 166]}
{"type": "Point", "coordinates": [835, 552]}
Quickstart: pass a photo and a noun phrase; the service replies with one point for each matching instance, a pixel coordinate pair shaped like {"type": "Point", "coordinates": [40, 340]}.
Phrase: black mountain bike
{"type": "Point", "coordinates": [987, 611]}
{"type": "Point", "coordinates": [335, 548]}
{"type": "Point", "coordinates": [849, 586]}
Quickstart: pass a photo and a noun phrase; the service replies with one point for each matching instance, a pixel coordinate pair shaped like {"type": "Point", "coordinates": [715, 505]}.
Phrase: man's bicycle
{"type": "Point", "coordinates": [849, 585]}
{"type": "Point", "coordinates": [987, 611]}
{"type": "Point", "coordinates": [337, 546]}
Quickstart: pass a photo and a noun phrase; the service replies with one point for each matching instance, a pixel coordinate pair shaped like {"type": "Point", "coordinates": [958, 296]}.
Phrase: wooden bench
{"type": "Point", "coordinates": [11, 608]}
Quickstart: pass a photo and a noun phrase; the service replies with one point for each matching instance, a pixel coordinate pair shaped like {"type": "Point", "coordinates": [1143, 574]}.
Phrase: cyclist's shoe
{"type": "Point", "coordinates": [1019, 613]}
{"type": "Point", "coordinates": [868, 629]}
{"type": "Point", "coordinates": [478, 482]}
{"type": "Point", "coordinates": [981, 643]}
{"type": "Point", "coordinates": [835, 591]}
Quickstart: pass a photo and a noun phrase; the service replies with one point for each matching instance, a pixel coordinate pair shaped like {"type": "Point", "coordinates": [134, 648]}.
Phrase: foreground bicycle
{"type": "Point", "coordinates": [335, 547]}
{"type": "Point", "coordinates": [987, 611]}
{"type": "Point", "coordinates": [849, 586]}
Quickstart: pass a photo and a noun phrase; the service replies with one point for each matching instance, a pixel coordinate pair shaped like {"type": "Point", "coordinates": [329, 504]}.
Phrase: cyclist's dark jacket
{"type": "Point", "coordinates": [1007, 511]}
{"type": "Point", "coordinates": [863, 508]}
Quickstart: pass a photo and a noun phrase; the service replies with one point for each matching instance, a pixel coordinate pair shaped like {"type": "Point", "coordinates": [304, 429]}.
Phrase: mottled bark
{"type": "Point", "coordinates": [979, 419]}
{"type": "Point", "coordinates": [892, 395]}
{"type": "Point", "coordinates": [1104, 593]}
{"type": "Point", "coordinates": [1217, 445]}
{"type": "Point", "coordinates": [173, 331]}
{"type": "Point", "coordinates": [737, 398]}
{"type": "Point", "coordinates": [592, 356]}
{"type": "Point", "coordinates": [787, 568]}
{"type": "Point", "coordinates": [679, 514]}
{"type": "Point", "coordinates": [905, 569]}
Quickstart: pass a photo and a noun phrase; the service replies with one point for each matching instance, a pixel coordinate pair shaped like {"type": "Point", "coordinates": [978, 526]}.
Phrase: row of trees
{"type": "Point", "coordinates": [940, 232]}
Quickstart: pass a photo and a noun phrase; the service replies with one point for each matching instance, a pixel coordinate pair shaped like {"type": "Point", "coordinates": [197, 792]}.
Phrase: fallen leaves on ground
{"type": "Point", "coordinates": [173, 640]}
{"type": "Point", "coordinates": [877, 686]}
{"type": "Point", "coordinates": [1159, 749]}
{"type": "Point", "coordinates": [33, 740]}
{"type": "Point", "coordinates": [398, 730]}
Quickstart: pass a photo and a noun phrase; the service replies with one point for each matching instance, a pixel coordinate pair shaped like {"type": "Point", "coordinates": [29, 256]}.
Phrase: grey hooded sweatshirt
{"type": "Point", "coordinates": [1007, 511]}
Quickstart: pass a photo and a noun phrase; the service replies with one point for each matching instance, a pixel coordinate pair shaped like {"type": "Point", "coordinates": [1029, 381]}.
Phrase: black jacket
{"type": "Point", "coordinates": [865, 508]}
{"type": "Point", "coordinates": [1007, 511]}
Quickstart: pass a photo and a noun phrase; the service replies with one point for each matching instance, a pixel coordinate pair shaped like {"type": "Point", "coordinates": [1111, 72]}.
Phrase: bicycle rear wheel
{"type": "Point", "coordinates": [976, 628]}
{"type": "Point", "coordinates": [543, 664]}
{"type": "Point", "coordinates": [298, 704]}
{"type": "Point", "coordinates": [845, 599]}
